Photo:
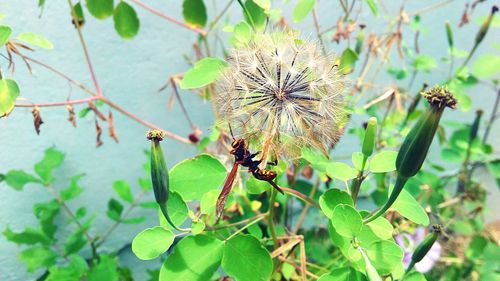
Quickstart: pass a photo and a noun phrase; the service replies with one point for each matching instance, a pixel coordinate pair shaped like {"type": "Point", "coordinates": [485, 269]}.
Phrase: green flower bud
{"type": "Point", "coordinates": [475, 126]}
{"type": "Point", "coordinates": [369, 140]}
{"type": "Point", "coordinates": [485, 26]}
{"type": "Point", "coordinates": [414, 149]}
{"type": "Point", "coordinates": [159, 171]}
{"type": "Point", "coordinates": [359, 39]}
{"type": "Point", "coordinates": [159, 174]}
{"type": "Point", "coordinates": [424, 246]}
{"type": "Point", "coordinates": [449, 34]}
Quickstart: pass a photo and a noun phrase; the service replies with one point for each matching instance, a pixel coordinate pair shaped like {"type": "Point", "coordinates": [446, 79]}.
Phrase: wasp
{"type": "Point", "coordinates": [243, 157]}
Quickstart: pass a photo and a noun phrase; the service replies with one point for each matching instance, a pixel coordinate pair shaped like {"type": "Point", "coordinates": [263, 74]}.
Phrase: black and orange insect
{"type": "Point", "coordinates": [243, 157]}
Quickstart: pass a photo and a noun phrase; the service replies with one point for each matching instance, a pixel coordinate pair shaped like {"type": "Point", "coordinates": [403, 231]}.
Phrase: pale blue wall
{"type": "Point", "coordinates": [130, 73]}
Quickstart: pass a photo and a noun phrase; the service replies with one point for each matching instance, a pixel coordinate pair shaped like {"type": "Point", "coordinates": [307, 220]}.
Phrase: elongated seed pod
{"type": "Point", "coordinates": [423, 248]}
{"type": "Point", "coordinates": [414, 149]}
{"type": "Point", "coordinates": [369, 139]}
{"type": "Point", "coordinates": [159, 174]}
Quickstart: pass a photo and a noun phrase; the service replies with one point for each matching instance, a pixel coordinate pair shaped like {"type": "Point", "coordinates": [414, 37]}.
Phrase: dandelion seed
{"type": "Point", "coordinates": [285, 90]}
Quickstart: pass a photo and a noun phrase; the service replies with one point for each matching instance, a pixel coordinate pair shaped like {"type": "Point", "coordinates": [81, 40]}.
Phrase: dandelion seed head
{"type": "Point", "coordinates": [286, 88]}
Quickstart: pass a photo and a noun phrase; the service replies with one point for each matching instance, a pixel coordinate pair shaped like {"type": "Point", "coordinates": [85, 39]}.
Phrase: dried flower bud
{"type": "Point", "coordinates": [37, 119]}
{"type": "Point", "coordinates": [423, 248]}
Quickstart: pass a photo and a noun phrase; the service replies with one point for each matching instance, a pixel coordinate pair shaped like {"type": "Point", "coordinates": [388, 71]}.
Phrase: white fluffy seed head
{"type": "Point", "coordinates": [280, 86]}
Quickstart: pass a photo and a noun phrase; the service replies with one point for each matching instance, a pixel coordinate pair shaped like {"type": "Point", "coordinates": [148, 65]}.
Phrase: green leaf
{"type": "Point", "coordinates": [242, 33]}
{"type": "Point", "coordinates": [126, 20]}
{"type": "Point", "coordinates": [195, 258]}
{"type": "Point", "coordinates": [343, 274]}
{"type": "Point", "coordinates": [194, 177]}
{"type": "Point", "coordinates": [9, 91]}
{"type": "Point", "coordinates": [347, 60]}
{"type": "Point", "coordinates": [28, 236]}
{"type": "Point", "coordinates": [45, 213]}
{"type": "Point", "coordinates": [152, 242]}
{"type": "Point", "coordinates": [409, 208]}
{"type": "Point", "coordinates": [245, 259]}
{"type": "Point", "coordinates": [415, 276]}
{"type": "Point", "coordinates": [382, 228]}
{"type": "Point", "coordinates": [424, 63]}
{"type": "Point", "coordinates": [341, 171]}
{"type": "Point", "coordinates": [485, 66]}
{"type": "Point", "coordinates": [385, 256]}
{"type": "Point", "coordinates": [122, 188]}
{"type": "Point", "coordinates": [264, 4]}
{"type": "Point", "coordinates": [302, 9]}
{"type": "Point", "coordinates": [255, 186]}
{"type": "Point", "coordinates": [333, 197]}
{"type": "Point", "coordinates": [494, 168]}
{"type": "Point", "coordinates": [74, 271]}
{"type": "Point", "coordinates": [35, 40]}
{"type": "Point", "coordinates": [38, 256]}
{"type": "Point", "coordinates": [115, 209]}
{"type": "Point", "coordinates": [204, 72]}
{"type": "Point", "coordinates": [73, 190]}
{"type": "Point", "coordinates": [373, 6]}
{"type": "Point", "coordinates": [75, 242]}
{"type": "Point", "coordinates": [197, 227]}
{"type": "Point", "coordinates": [383, 162]}
{"type": "Point", "coordinates": [77, 8]}
{"type": "Point", "coordinates": [177, 210]}
{"type": "Point", "coordinates": [100, 9]}
{"type": "Point", "coordinates": [452, 155]}
{"type": "Point", "coordinates": [357, 160]}
{"type": "Point", "coordinates": [51, 160]}
{"type": "Point", "coordinates": [194, 12]}
{"type": "Point", "coordinates": [257, 13]}
{"type": "Point", "coordinates": [5, 32]}
{"type": "Point", "coordinates": [17, 179]}
{"type": "Point", "coordinates": [105, 270]}
{"type": "Point", "coordinates": [347, 220]}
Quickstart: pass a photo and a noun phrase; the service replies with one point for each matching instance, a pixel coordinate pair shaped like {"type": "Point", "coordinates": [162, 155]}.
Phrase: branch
{"type": "Point", "coordinates": [169, 18]}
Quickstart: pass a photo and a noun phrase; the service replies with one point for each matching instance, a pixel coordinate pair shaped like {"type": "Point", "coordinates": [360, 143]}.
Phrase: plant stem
{"type": "Point", "coordinates": [85, 50]}
{"type": "Point", "coordinates": [270, 220]}
{"type": "Point", "coordinates": [258, 218]}
{"type": "Point", "coordinates": [398, 186]}
{"type": "Point", "coordinates": [492, 117]}
{"type": "Point", "coordinates": [303, 214]}
{"type": "Point", "coordinates": [75, 219]}
{"type": "Point", "coordinates": [356, 182]}
{"type": "Point", "coordinates": [300, 196]}
{"type": "Point", "coordinates": [106, 234]}
{"type": "Point", "coordinates": [247, 13]}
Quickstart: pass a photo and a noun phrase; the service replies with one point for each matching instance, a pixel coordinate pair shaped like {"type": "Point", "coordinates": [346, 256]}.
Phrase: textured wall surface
{"type": "Point", "coordinates": [130, 73]}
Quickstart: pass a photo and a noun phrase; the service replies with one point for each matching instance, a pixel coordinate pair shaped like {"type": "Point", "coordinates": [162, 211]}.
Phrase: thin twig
{"type": "Point", "coordinates": [116, 224]}
{"type": "Point", "coordinates": [169, 18]}
{"type": "Point", "coordinates": [55, 104]}
{"type": "Point", "coordinates": [85, 49]}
